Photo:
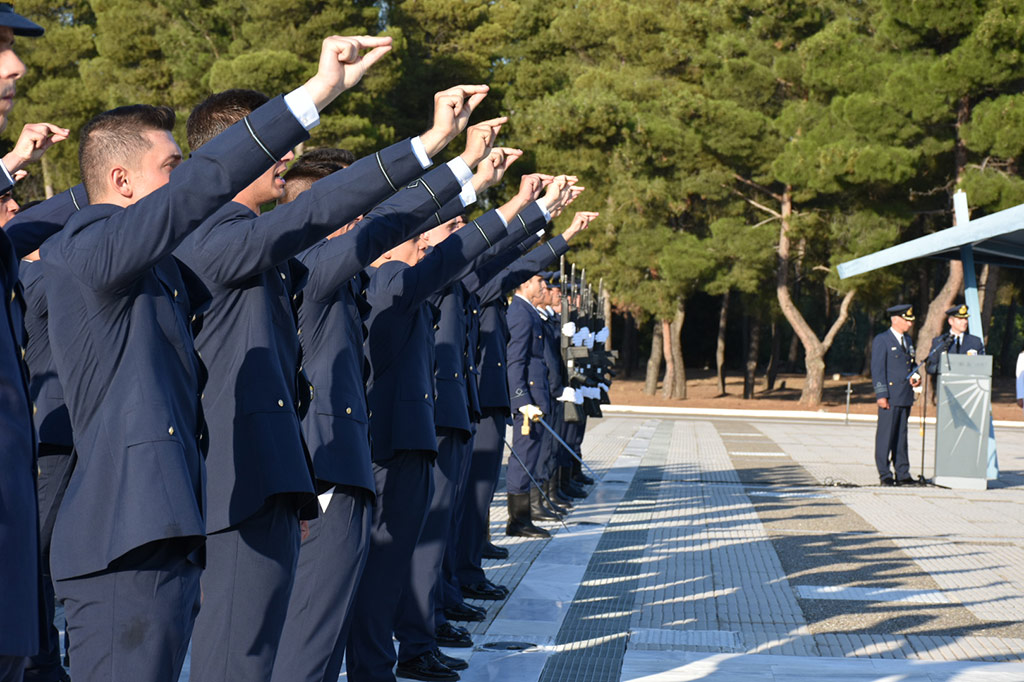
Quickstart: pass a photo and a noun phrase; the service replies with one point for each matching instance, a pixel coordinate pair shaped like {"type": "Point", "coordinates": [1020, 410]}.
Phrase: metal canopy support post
{"type": "Point", "coordinates": [963, 219]}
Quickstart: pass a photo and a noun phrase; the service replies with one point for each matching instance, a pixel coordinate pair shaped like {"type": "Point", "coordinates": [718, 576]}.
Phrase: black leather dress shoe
{"type": "Point", "coordinates": [447, 634]}
{"type": "Point", "coordinates": [484, 590]}
{"type": "Point", "coordinates": [888, 480]}
{"type": "Point", "coordinates": [905, 481]}
{"type": "Point", "coordinates": [426, 667]}
{"type": "Point", "coordinates": [465, 612]}
{"type": "Point", "coordinates": [450, 661]}
{"type": "Point", "coordinates": [493, 551]}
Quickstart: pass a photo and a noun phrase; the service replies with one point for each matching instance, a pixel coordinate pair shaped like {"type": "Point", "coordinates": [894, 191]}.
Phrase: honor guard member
{"type": "Point", "coordinates": [956, 341]}
{"type": "Point", "coordinates": [53, 426]}
{"type": "Point", "coordinates": [894, 379]}
{"type": "Point", "coordinates": [126, 553]}
{"type": "Point", "coordinates": [21, 626]}
{"type": "Point", "coordinates": [257, 466]}
{"type": "Point", "coordinates": [331, 312]}
{"type": "Point", "coordinates": [400, 396]}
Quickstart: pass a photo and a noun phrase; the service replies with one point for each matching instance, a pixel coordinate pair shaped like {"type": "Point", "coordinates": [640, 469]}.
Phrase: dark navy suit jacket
{"type": "Point", "coordinates": [400, 342]}
{"type": "Point", "coordinates": [53, 425]}
{"type": "Point", "coordinates": [248, 336]}
{"type": "Point", "coordinates": [553, 355]}
{"type": "Point", "coordinates": [19, 535]}
{"type": "Point", "coordinates": [331, 322]}
{"type": "Point", "coordinates": [119, 328]}
{"type": "Point", "coordinates": [527, 372]}
{"type": "Point", "coordinates": [968, 343]}
{"type": "Point", "coordinates": [494, 334]}
{"type": "Point", "coordinates": [890, 368]}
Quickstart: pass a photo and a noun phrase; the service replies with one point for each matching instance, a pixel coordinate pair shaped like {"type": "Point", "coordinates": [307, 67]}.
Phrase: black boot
{"type": "Point", "coordinates": [578, 475]}
{"type": "Point", "coordinates": [568, 486]}
{"type": "Point", "coordinates": [551, 488]}
{"type": "Point", "coordinates": [538, 510]}
{"type": "Point", "coordinates": [519, 522]}
{"type": "Point", "coordinates": [556, 494]}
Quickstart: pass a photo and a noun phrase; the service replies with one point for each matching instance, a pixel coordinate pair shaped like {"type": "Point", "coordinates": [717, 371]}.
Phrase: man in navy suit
{"type": "Point", "coordinates": [259, 476]}
{"type": "Point", "coordinates": [331, 312]}
{"type": "Point", "coordinates": [894, 379]}
{"type": "Point", "coordinates": [127, 544]}
{"type": "Point", "coordinates": [956, 341]}
{"type": "Point", "coordinates": [400, 397]}
{"type": "Point", "coordinates": [21, 625]}
{"type": "Point", "coordinates": [53, 426]}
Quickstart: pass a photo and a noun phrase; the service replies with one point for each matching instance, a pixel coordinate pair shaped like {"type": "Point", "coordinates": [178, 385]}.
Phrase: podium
{"type": "Point", "coordinates": [963, 421]}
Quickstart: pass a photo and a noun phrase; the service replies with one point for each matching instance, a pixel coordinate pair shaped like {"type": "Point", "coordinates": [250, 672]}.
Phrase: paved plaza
{"type": "Point", "coordinates": [760, 549]}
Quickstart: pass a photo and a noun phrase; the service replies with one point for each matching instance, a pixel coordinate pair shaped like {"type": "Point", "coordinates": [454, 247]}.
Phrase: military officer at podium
{"type": "Point", "coordinates": [956, 341]}
{"type": "Point", "coordinates": [894, 379]}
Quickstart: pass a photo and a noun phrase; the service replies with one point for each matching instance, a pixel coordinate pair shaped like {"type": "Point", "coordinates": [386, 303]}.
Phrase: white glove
{"type": "Point", "coordinates": [579, 397]}
{"type": "Point", "coordinates": [604, 386]}
{"type": "Point", "coordinates": [531, 412]}
{"type": "Point", "coordinates": [569, 329]}
{"type": "Point", "coordinates": [602, 335]}
{"type": "Point", "coordinates": [568, 395]}
{"type": "Point", "coordinates": [589, 341]}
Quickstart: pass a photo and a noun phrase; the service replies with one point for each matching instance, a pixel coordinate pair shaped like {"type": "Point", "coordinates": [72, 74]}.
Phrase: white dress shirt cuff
{"type": "Point", "coordinates": [421, 153]}
{"type": "Point", "coordinates": [302, 107]}
{"type": "Point", "coordinates": [465, 176]}
{"type": "Point", "coordinates": [5, 174]}
{"type": "Point", "coordinates": [545, 211]}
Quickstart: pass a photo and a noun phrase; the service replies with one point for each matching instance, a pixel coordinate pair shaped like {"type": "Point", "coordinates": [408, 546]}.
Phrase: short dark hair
{"type": "Point", "coordinates": [218, 112]}
{"type": "Point", "coordinates": [313, 165]}
{"type": "Point", "coordinates": [117, 136]}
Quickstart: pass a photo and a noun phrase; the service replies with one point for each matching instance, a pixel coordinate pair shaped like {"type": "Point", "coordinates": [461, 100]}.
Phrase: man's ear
{"type": "Point", "coordinates": [120, 181]}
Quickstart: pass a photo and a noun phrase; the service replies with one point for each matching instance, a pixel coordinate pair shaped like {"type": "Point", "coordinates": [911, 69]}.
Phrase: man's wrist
{"type": "Point", "coordinates": [434, 142]}
{"type": "Point", "coordinates": [7, 176]}
{"type": "Point", "coordinates": [304, 107]}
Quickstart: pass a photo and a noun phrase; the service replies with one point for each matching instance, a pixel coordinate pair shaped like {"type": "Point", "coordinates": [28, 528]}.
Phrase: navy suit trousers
{"type": "Point", "coordinates": [132, 621]}
{"type": "Point", "coordinates": [415, 619]}
{"type": "Point", "coordinates": [484, 469]}
{"type": "Point", "coordinates": [11, 667]}
{"type": "Point", "coordinates": [891, 441]}
{"type": "Point", "coordinates": [530, 450]}
{"type": "Point", "coordinates": [404, 482]}
{"type": "Point", "coordinates": [54, 473]}
{"type": "Point", "coordinates": [449, 587]}
{"type": "Point", "coordinates": [331, 562]}
{"type": "Point", "coordinates": [250, 569]}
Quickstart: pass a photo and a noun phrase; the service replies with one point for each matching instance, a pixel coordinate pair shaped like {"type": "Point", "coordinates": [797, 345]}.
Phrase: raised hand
{"type": "Point", "coordinates": [341, 66]}
{"type": "Point", "coordinates": [531, 185]}
{"type": "Point", "coordinates": [480, 139]}
{"type": "Point", "coordinates": [557, 193]}
{"type": "Point", "coordinates": [34, 140]}
{"type": "Point", "coordinates": [580, 222]}
{"type": "Point", "coordinates": [564, 201]}
{"type": "Point", "coordinates": [452, 109]}
{"type": "Point", "coordinates": [493, 168]}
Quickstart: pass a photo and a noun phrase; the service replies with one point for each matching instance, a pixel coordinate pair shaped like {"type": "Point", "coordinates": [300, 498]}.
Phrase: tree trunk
{"type": "Point", "coordinates": [814, 349]}
{"type": "Point", "coordinates": [679, 376]}
{"type": "Point", "coordinates": [935, 320]}
{"type": "Point", "coordinates": [670, 367]}
{"type": "Point", "coordinates": [47, 177]}
{"type": "Point", "coordinates": [723, 318]}
{"type": "Point", "coordinates": [793, 354]}
{"type": "Point", "coordinates": [625, 365]}
{"type": "Point", "coordinates": [753, 350]}
{"type": "Point", "coordinates": [987, 291]}
{"type": "Point", "coordinates": [773, 362]}
{"type": "Point", "coordinates": [1009, 350]}
{"type": "Point", "coordinates": [654, 361]}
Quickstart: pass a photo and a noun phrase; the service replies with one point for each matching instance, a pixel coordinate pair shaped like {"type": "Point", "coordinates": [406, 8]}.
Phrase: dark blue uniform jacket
{"type": "Point", "coordinates": [890, 368]}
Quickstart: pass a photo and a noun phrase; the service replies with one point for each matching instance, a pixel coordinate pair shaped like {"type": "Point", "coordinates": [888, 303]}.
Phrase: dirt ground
{"type": "Point", "coordinates": [702, 391]}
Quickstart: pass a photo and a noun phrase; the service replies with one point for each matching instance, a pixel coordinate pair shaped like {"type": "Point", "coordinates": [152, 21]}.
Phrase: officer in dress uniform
{"type": "Point", "coordinates": [53, 426]}
{"type": "Point", "coordinates": [126, 553]}
{"type": "Point", "coordinates": [22, 621]}
{"type": "Point", "coordinates": [893, 377]}
{"type": "Point", "coordinates": [400, 397]}
{"type": "Point", "coordinates": [956, 341]}
{"type": "Point", "coordinates": [259, 477]}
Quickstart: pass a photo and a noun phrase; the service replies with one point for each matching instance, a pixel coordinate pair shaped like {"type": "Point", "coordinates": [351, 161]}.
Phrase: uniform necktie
{"type": "Point", "coordinates": [958, 344]}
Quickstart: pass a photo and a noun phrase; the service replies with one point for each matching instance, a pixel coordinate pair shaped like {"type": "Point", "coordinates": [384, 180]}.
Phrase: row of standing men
{"type": "Point", "coordinates": [211, 383]}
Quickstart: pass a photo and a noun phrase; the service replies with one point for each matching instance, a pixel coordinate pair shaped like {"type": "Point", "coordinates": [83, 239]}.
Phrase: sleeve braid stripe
{"type": "Point", "coordinates": [477, 226]}
{"type": "Point", "coordinates": [387, 177]}
{"type": "Point", "coordinates": [256, 137]}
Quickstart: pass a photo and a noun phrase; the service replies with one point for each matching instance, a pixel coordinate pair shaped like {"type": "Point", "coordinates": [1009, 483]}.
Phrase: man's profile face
{"type": "Point", "coordinates": [11, 69]}
{"type": "Point", "coordinates": [435, 236]}
{"type": "Point", "coordinates": [901, 325]}
{"type": "Point", "coordinates": [153, 169]}
{"type": "Point", "coordinates": [271, 186]}
{"type": "Point", "coordinates": [8, 208]}
{"type": "Point", "coordinates": [958, 324]}
{"type": "Point", "coordinates": [533, 289]}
